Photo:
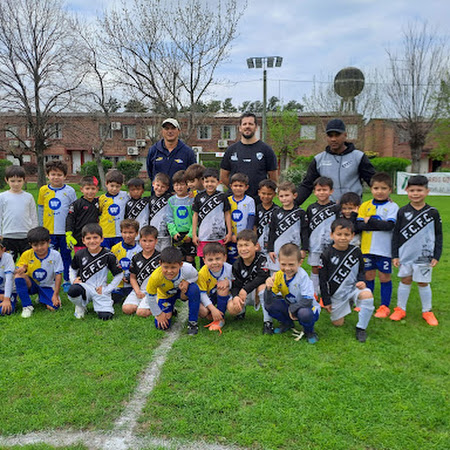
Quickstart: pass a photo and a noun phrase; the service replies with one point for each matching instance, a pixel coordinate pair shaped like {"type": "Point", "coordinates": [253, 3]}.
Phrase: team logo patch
{"type": "Point", "coordinates": [160, 158]}
{"type": "Point", "coordinates": [280, 215]}
{"type": "Point", "coordinates": [139, 264]}
{"type": "Point", "coordinates": [408, 215]}
{"type": "Point", "coordinates": [40, 274]}
{"type": "Point", "coordinates": [234, 157]}
{"type": "Point", "coordinates": [202, 200]}
{"type": "Point", "coordinates": [182, 212]}
{"type": "Point", "coordinates": [84, 261]}
{"type": "Point", "coordinates": [244, 274]}
{"type": "Point", "coordinates": [259, 156]}
{"type": "Point", "coordinates": [314, 210]}
{"type": "Point", "coordinates": [237, 215]}
{"type": "Point", "coordinates": [179, 161]}
{"type": "Point", "coordinates": [54, 204]}
{"type": "Point", "coordinates": [346, 164]}
{"type": "Point", "coordinates": [114, 210]}
{"type": "Point", "coordinates": [125, 263]}
{"type": "Point", "coordinates": [172, 291]}
{"type": "Point", "coordinates": [335, 260]}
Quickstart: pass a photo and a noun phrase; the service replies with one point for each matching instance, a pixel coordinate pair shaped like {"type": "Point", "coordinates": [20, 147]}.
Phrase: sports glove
{"type": "Point", "coordinates": [70, 240]}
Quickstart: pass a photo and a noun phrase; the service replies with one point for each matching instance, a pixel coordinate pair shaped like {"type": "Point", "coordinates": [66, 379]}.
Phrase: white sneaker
{"type": "Point", "coordinates": [27, 311]}
{"type": "Point", "coordinates": [79, 311]}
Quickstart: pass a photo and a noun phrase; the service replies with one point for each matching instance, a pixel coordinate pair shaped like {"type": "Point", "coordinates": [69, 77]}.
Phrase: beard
{"type": "Point", "coordinates": [248, 134]}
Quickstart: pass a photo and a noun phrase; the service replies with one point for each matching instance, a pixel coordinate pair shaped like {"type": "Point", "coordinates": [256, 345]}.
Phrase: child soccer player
{"type": "Point", "coordinates": [136, 207]}
{"type": "Point", "coordinates": [179, 217]}
{"type": "Point", "coordinates": [214, 281]}
{"type": "Point", "coordinates": [158, 209]}
{"type": "Point", "coordinates": [290, 294]}
{"type": "Point", "coordinates": [349, 205]}
{"type": "Point", "coordinates": [54, 201]}
{"type": "Point", "coordinates": [112, 208]}
{"type": "Point", "coordinates": [39, 271]}
{"type": "Point", "coordinates": [376, 220]}
{"type": "Point", "coordinates": [287, 225]}
{"type": "Point", "coordinates": [124, 251]}
{"type": "Point", "coordinates": [242, 211]}
{"type": "Point", "coordinates": [416, 248]}
{"type": "Point", "coordinates": [171, 281]}
{"type": "Point", "coordinates": [82, 211]}
{"type": "Point", "coordinates": [341, 277]}
{"type": "Point", "coordinates": [194, 178]}
{"type": "Point", "coordinates": [211, 214]}
{"type": "Point", "coordinates": [89, 274]}
{"type": "Point", "coordinates": [7, 297]}
{"type": "Point", "coordinates": [141, 267]}
{"type": "Point", "coordinates": [17, 212]}
{"type": "Point", "coordinates": [250, 273]}
{"type": "Point", "coordinates": [320, 215]}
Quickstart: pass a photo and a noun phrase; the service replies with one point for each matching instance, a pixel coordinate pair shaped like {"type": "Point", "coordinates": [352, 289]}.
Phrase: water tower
{"type": "Point", "coordinates": [348, 83]}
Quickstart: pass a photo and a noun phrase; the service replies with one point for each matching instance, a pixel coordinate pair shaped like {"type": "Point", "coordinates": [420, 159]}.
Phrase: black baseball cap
{"type": "Point", "coordinates": [336, 125]}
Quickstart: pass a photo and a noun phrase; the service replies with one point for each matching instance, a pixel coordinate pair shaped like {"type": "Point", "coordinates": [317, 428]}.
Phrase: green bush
{"type": "Point", "coordinates": [390, 165]}
{"type": "Point", "coordinates": [212, 164]}
{"type": "Point", "coordinates": [4, 163]}
{"type": "Point", "coordinates": [90, 168]}
{"type": "Point", "coordinates": [297, 169]}
{"type": "Point", "coordinates": [129, 168]}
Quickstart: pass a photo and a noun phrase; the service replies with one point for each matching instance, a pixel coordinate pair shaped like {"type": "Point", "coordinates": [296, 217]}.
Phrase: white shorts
{"type": "Point", "coordinates": [342, 306]}
{"type": "Point", "coordinates": [133, 299]}
{"type": "Point", "coordinates": [421, 273]}
{"type": "Point", "coordinates": [101, 302]}
{"type": "Point", "coordinates": [314, 259]}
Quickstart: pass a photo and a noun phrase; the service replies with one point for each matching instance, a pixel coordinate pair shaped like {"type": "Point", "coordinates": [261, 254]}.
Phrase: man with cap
{"type": "Point", "coordinates": [341, 162]}
{"type": "Point", "coordinates": [170, 154]}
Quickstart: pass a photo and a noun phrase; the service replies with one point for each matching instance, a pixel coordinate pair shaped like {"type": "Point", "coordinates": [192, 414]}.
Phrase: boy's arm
{"type": "Point", "coordinates": [228, 224]}
{"type": "Point", "coordinates": [438, 243]}
{"type": "Point", "coordinates": [396, 236]}
{"type": "Point", "coordinates": [194, 228]}
{"type": "Point", "coordinates": [171, 226]}
{"type": "Point", "coordinates": [272, 228]}
{"type": "Point", "coordinates": [376, 224]}
{"type": "Point", "coordinates": [113, 284]}
{"type": "Point", "coordinates": [261, 276]}
{"type": "Point", "coordinates": [323, 280]}
{"type": "Point", "coordinates": [304, 231]}
{"type": "Point", "coordinates": [33, 212]}
{"type": "Point", "coordinates": [58, 281]}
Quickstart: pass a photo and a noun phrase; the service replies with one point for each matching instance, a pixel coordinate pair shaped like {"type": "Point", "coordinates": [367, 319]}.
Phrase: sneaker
{"type": "Point", "coordinates": [240, 316]}
{"type": "Point", "coordinates": [66, 285]}
{"type": "Point", "coordinates": [79, 311]}
{"type": "Point", "coordinates": [283, 328]}
{"type": "Point", "coordinates": [268, 328]}
{"type": "Point", "coordinates": [216, 326]}
{"type": "Point", "coordinates": [430, 318]}
{"type": "Point", "coordinates": [398, 314]}
{"type": "Point", "coordinates": [27, 311]}
{"type": "Point", "coordinates": [192, 328]}
{"type": "Point", "coordinates": [382, 312]}
{"type": "Point", "coordinates": [361, 335]}
{"type": "Point", "coordinates": [312, 338]}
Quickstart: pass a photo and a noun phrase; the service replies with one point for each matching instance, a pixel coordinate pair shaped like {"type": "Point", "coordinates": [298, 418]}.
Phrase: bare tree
{"type": "Point", "coordinates": [415, 79]}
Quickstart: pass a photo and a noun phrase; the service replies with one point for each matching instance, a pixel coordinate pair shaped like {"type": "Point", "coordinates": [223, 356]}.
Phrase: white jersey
{"type": "Point", "coordinates": [7, 268]}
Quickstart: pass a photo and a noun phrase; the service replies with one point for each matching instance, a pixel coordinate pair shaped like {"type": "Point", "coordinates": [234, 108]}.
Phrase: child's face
{"type": "Point", "coordinates": [40, 248]}
{"type": "Point", "coordinates": [15, 183]}
{"type": "Point", "coordinates": [287, 198]}
{"type": "Point", "coordinates": [89, 191]}
{"type": "Point", "coordinates": [417, 194]}
{"type": "Point", "coordinates": [148, 243]}
{"type": "Point", "coordinates": [266, 195]}
{"type": "Point", "coordinates": [113, 188]}
{"type": "Point", "coordinates": [171, 270]}
{"type": "Point", "coordinates": [246, 249]}
{"type": "Point", "coordinates": [210, 184]}
{"type": "Point", "coordinates": [180, 188]}
{"type": "Point", "coordinates": [159, 188]}
{"type": "Point", "coordinates": [56, 178]}
{"type": "Point", "coordinates": [380, 191]}
{"type": "Point", "coordinates": [323, 193]}
{"type": "Point", "coordinates": [342, 237]}
{"type": "Point", "coordinates": [238, 188]}
{"type": "Point", "coordinates": [92, 241]}
{"type": "Point", "coordinates": [129, 235]}
{"type": "Point", "coordinates": [347, 209]}
{"type": "Point", "coordinates": [289, 265]}
{"type": "Point", "coordinates": [136, 192]}
{"type": "Point", "coordinates": [214, 261]}
{"type": "Point", "coordinates": [195, 185]}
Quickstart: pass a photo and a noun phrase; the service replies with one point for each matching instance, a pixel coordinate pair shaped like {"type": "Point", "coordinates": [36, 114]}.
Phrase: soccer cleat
{"type": "Point", "coordinates": [312, 337]}
{"type": "Point", "coordinates": [398, 314]}
{"type": "Point", "coordinates": [430, 318]}
{"type": "Point", "coordinates": [357, 309]}
{"type": "Point", "coordinates": [27, 311]}
{"type": "Point", "coordinates": [216, 326]}
{"type": "Point", "coordinates": [361, 335]}
{"type": "Point", "coordinates": [66, 285]}
{"type": "Point", "coordinates": [192, 328]}
{"type": "Point", "coordinates": [283, 328]}
{"type": "Point", "coordinates": [79, 311]}
{"type": "Point", "coordinates": [240, 316]}
{"type": "Point", "coordinates": [268, 328]}
{"type": "Point", "coordinates": [382, 312]}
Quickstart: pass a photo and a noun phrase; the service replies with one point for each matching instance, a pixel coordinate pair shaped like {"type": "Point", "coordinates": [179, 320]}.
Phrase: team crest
{"type": "Point", "coordinates": [139, 264]}
{"type": "Point", "coordinates": [314, 210]}
{"type": "Point", "coordinates": [234, 157]}
{"type": "Point", "coordinates": [346, 164]}
{"type": "Point", "coordinates": [259, 156]}
{"type": "Point", "coordinates": [335, 260]}
{"type": "Point", "coordinates": [84, 261]}
{"type": "Point", "coordinates": [280, 215]}
{"type": "Point", "coordinates": [408, 215]}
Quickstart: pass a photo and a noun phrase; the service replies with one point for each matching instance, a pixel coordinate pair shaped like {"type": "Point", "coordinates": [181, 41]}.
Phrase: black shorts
{"type": "Point", "coordinates": [187, 248]}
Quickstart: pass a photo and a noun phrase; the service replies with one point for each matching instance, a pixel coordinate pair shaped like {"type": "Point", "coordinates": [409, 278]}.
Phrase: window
{"type": "Point", "coordinates": [204, 132]}
{"type": "Point", "coordinates": [352, 131]}
{"type": "Point", "coordinates": [49, 158]}
{"type": "Point", "coordinates": [105, 131]}
{"type": "Point", "coordinates": [55, 131]}
{"type": "Point", "coordinates": [228, 132]}
{"type": "Point", "coordinates": [12, 131]}
{"type": "Point", "coordinates": [308, 132]}
{"type": "Point", "coordinates": [151, 132]}
{"type": "Point", "coordinates": [129, 131]}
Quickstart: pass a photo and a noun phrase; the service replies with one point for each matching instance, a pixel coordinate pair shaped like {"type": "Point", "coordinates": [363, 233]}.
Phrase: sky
{"type": "Point", "coordinates": [316, 38]}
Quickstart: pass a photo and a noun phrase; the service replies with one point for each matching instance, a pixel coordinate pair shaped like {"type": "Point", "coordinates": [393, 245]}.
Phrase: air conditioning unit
{"type": "Point", "coordinates": [132, 151]}
{"type": "Point", "coordinates": [141, 143]}
{"type": "Point", "coordinates": [197, 149]}
{"type": "Point", "coordinates": [115, 126]}
{"type": "Point", "coordinates": [222, 143]}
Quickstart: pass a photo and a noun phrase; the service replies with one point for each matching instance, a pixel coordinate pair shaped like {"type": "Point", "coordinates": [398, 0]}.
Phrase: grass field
{"type": "Point", "coordinates": [242, 388]}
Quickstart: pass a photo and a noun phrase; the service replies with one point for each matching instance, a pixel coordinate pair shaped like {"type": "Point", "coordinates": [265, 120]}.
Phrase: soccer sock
{"type": "Point", "coordinates": [315, 280]}
{"type": "Point", "coordinates": [402, 295]}
{"type": "Point", "coordinates": [305, 318]}
{"type": "Point", "coordinates": [371, 284]}
{"type": "Point", "coordinates": [425, 297]}
{"type": "Point", "coordinates": [22, 292]}
{"type": "Point", "coordinates": [222, 302]}
{"type": "Point", "coordinates": [266, 315]}
{"type": "Point", "coordinates": [365, 313]}
{"type": "Point", "coordinates": [193, 295]}
{"type": "Point", "coordinates": [386, 293]}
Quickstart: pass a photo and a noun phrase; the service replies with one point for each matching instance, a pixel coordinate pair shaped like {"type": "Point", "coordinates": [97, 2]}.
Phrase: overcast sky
{"type": "Point", "coordinates": [316, 38]}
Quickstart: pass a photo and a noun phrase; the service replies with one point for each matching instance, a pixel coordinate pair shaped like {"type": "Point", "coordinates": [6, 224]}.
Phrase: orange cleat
{"type": "Point", "coordinates": [382, 312]}
{"type": "Point", "coordinates": [357, 309]}
{"type": "Point", "coordinates": [398, 314]}
{"type": "Point", "coordinates": [216, 326]}
{"type": "Point", "coordinates": [430, 318]}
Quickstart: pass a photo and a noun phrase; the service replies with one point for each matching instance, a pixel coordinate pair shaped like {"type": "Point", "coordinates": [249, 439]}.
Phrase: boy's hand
{"type": "Point", "coordinates": [233, 239]}
{"type": "Point", "coordinates": [21, 270]}
{"type": "Point", "coordinates": [6, 306]}
{"type": "Point", "coordinates": [99, 289]}
{"type": "Point", "coordinates": [228, 238]}
{"type": "Point", "coordinates": [215, 313]}
{"type": "Point", "coordinates": [327, 308]}
{"type": "Point", "coordinates": [242, 295]}
{"type": "Point", "coordinates": [273, 257]}
{"type": "Point", "coordinates": [433, 262]}
{"type": "Point", "coordinates": [396, 262]}
{"type": "Point", "coordinates": [223, 286]}
{"type": "Point", "coordinates": [239, 299]}
{"type": "Point", "coordinates": [292, 316]}
{"type": "Point", "coordinates": [366, 219]}
{"type": "Point", "coordinates": [183, 286]}
{"type": "Point", "coordinates": [360, 285]}
{"type": "Point", "coordinates": [56, 300]}
{"type": "Point", "coordinates": [163, 320]}
{"type": "Point", "coordinates": [176, 237]}
{"type": "Point", "coordinates": [270, 282]}
{"type": "Point", "coordinates": [195, 240]}
{"type": "Point", "coordinates": [303, 254]}
{"type": "Point", "coordinates": [187, 239]}
{"type": "Point", "coordinates": [77, 280]}
{"type": "Point", "coordinates": [140, 295]}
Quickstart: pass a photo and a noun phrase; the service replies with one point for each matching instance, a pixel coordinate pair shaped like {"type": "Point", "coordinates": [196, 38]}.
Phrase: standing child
{"type": "Point", "coordinates": [17, 212]}
{"type": "Point", "coordinates": [54, 201]}
{"type": "Point", "coordinates": [341, 277]}
{"type": "Point", "coordinates": [7, 297]}
{"type": "Point", "coordinates": [242, 211]}
{"type": "Point", "coordinates": [124, 251]}
{"type": "Point", "coordinates": [349, 205]}
{"type": "Point", "coordinates": [112, 208]}
{"type": "Point", "coordinates": [376, 220]}
{"type": "Point", "coordinates": [416, 248]}
{"type": "Point", "coordinates": [89, 275]}
{"type": "Point", "coordinates": [39, 271]}
{"type": "Point", "coordinates": [137, 206]}
{"type": "Point", "coordinates": [194, 178]}
{"type": "Point", "coordinates": [82, 211]}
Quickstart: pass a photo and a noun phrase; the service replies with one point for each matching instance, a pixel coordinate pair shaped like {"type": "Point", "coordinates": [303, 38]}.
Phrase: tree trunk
{"type": "Point", "coordinates": [40, 165]}
{"type": "Point", "coordinates": [101, 172]}
{"type": "Point", "coordinates": [416, 153]}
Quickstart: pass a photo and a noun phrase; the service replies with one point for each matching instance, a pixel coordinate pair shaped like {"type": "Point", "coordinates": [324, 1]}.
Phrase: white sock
{"type": "Point", "coordinates": [425, 297]}
{"type": "Point", "coordinates": [366, 310]}
{"type": "Point", "coordinates": [403, 294]}
{"type": "Point", "coordinates": [266, 316]}
{"type": "Point", "coordinates": [316, 284]}
{"type": "Point", "coordinates": [78, 300]}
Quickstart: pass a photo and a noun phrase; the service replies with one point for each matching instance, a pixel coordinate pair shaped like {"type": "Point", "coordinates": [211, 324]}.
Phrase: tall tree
{"type": "Point", "coordinates": [41, 65]}
{"type": "Point", "coordinates": [441, 131]}
{"type": "Point", "coordinates": [227, 105]}
{"type": "Point", "coordinates": [135, 106]}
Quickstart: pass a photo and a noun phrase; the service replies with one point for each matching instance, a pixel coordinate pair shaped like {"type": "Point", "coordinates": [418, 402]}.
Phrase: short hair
{"type": "Point", "coordinates": [417, 180]}
{"type": "Point", "coordinates": [136, 182]}
{"type": "Point", "coordinates": [14, 171]}
{"type": "Point", "coordinates": [350, 198]}
{"type": "Point", "coordinates": [213, 248]}
{"type": "Point", "coordinates": [179, 177]}
{"type": "Point", "coordinates": [38, 234]}
{"type": "Point", "coordinates": [381, 177]}
{"type": "Point", "coordinates": [114, 176]}
{"type": "Point", "coordinates": [247, 235]}
{"type": "Point", "coordinates": [91, 228]}
{"type": "Point", "coordinates": [287, 186]}
{"type": "Point", "coordinates": [211, 172]}
{"type": "Point", "coordinates": [56, 165]}
{"type": "Point", "coordinates": [323, 181]}
{"type": "Point", "coordinates": [129, 223]}
{"type": "Point", "coordinates": [162, 178]}
{"type": "Point", "coordinates": [290, 249]}
{"type": "Point", "coordinates": [149, 230]}
{"type": "Point", "coordinates": [2, 244]}
{"type": "Point", "coordinates": [88, 181]}
{"type": "Point", "coordinates": [268, 183]}
{"type": "Point", "coordinates": [239, 177]}
{"type": "Point", "coordinates": [194, 171]}
{"type": "Point", "coordinates": [247, 114]}
{"type": "Point", "coordinates": [171, 255]}
{"type": "Point", "coordinates": [342, 223]}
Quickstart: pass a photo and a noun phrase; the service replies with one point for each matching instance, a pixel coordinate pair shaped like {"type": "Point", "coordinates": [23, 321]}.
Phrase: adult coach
{"type": "Point", "coordinates": [170, 154]}
{"type": "Point", "coordinates": [341, 162]}
{"type": "Point", "coordinates": [250, 156]}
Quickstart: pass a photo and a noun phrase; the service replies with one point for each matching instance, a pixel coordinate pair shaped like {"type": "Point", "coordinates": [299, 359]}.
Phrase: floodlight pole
{"type": "Point", "coordinates": [264, 112]}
